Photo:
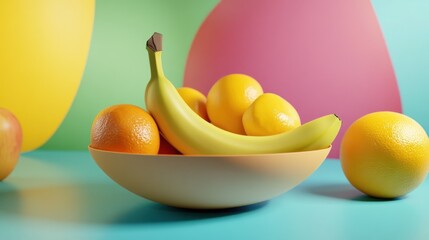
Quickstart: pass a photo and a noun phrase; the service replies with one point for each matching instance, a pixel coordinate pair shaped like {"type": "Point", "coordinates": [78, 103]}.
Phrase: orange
{"type": "Point", "coordinates": [385, 154]}
{"type": "Point", "coordinates": [228, 98]}
{"type": "Point", "coordinates": [125, 128]}
{"type": "Point", "coordinates": [270, 114]}
{"type": "Point", "coordinates": [195, 100]}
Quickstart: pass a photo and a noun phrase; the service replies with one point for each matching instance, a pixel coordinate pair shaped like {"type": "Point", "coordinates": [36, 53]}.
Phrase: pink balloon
{"type": "Point", "coordinates": [322, 56]}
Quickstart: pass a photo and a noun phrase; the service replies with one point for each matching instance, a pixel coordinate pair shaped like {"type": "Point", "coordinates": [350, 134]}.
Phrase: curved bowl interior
{"type": "Point", "coordinates": [209, 181]}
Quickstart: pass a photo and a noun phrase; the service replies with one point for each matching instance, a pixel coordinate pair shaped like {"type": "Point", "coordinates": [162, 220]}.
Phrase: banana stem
{"type": "Point", "coordinates": [155, 42]}
{"type": "Point", "coordinates": [154, 48]}
{"type": "Point", "coordinates": [155, 61]}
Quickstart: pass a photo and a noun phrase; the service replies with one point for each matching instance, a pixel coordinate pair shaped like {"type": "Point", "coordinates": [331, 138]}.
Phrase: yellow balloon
{"type": "Point", "coordinates": [43, 49]}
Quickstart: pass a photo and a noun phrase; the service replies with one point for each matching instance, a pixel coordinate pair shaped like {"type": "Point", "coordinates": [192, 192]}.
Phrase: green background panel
{"type": "Point", "coordinates": [117, 69]}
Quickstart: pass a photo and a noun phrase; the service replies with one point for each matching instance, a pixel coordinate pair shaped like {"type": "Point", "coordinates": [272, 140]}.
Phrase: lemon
{"type": "Point", "coordinates": [270, 114]}
{"type": "Point", "coordinates": [228, 98]}
{"type": "Point", "coordinates": [385, 154]}
{"type": "Point", "coordinates": [195, 99]}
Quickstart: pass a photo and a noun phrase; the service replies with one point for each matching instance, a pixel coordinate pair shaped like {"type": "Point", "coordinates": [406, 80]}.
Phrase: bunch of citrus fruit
{"type": "Point", "coordinates": [235, 103]}
{"type": "Point", "coordinates": [383, 154]}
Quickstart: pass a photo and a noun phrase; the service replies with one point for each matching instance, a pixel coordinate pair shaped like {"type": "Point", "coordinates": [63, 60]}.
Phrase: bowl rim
{"type": "Point", "coordinates": [202, 155]}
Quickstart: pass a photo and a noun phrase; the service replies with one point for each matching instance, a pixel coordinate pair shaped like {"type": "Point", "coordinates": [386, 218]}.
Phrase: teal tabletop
{"type": "Point", "coordinates": [64, 195]}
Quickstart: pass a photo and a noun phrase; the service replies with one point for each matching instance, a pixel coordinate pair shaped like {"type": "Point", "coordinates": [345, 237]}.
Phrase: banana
{"type": "Point", "coordinates": [191, 134]}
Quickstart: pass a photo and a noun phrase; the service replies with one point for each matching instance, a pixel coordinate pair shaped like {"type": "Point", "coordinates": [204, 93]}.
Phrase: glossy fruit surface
{"type": "Point", "coordinates": [270, 114]}
{"type": "Point", "coordinates": [191, 134]}
{"type": "Point", "coordinates": [125, 128]}
{"type": "Point", "coordinates": [228, 98]}
{"type": "Point", "coordinates": [195, 100]}
{"type": "Point", "coordinates": [10, 142]}
{"type": "Point", "coordinates": [385, 154]}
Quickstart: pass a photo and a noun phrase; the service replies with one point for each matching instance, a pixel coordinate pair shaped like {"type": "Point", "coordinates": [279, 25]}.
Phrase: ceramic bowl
{"type": "Point", "coordinates": [209, 181]}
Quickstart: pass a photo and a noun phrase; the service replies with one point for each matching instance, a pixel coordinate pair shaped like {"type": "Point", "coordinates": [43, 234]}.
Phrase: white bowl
{"type": "Point", "coordinates": [209, 181]}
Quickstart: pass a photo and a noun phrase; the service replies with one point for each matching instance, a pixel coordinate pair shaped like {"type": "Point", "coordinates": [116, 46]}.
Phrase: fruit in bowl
{"type": "Point", "coordinates": [218, 168]}
{"type": "Point", "coordinates": [125, 128]}
{"type": "Point", "coordinates": [193, 135]}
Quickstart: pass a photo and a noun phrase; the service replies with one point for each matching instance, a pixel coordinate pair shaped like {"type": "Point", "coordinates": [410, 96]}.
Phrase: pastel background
{"type": "Point", "coordinates": [323, 58]}
{"type": "Point", "coordinates": [116, 69]}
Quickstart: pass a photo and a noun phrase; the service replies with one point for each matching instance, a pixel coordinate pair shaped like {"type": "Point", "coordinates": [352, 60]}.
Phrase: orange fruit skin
{"type": "Point", "coordinates": [125, 128]}
{"type": "Point", "coordinates": [385, 154]}
{"type": "Point", "coordinates": [195, 100]}
{"type": "Point", "coordinates": [228, 98]}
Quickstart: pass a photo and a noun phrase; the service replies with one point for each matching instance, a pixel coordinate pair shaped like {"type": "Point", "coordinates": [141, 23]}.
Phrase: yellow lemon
{"type": "Point", "coordinates": [270, 114]}
{"type": "Point", "coordinates": [228, 98]}
{"type": "Point", "coordinates": [385, 154]}
{"type": "Point", "coordinates": [43, 49]}
{"type": "Point", "coordinates": [195, 99]}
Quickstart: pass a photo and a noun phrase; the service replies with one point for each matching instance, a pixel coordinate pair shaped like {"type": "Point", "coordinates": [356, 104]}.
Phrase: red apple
{"type": "Point", "coordinates": [10, 142]}
{"type": "Point", "coordinates": [166, 148]}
